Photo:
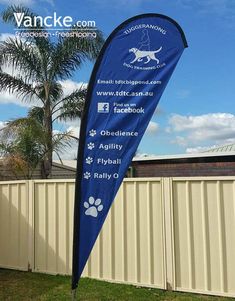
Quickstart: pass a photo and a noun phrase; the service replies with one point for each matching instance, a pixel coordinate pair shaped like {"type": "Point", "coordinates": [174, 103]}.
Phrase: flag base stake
{"type": "Point", "coordinates": [74, 292]}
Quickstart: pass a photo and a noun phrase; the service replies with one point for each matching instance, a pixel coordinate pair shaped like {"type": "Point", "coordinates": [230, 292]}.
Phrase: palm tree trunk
{"type": "Point", "coordinates": [47, 160]}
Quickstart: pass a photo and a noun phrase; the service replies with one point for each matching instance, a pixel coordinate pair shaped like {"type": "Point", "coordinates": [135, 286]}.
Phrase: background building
{"type": "Point", "coordinates": [59, 171]}
{"type": "Point", "coordinates": [187, 165]}
{"type": "Point", "coordinates": [218, 161]}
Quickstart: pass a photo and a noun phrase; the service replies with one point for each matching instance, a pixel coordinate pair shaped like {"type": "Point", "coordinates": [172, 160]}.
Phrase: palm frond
{"type": "Point", "coordinates": [14, 129]}
{"type": "Point", "coordinates": [22, 57]}
{"type": "Point", "coordinates": [90, 46]}
{"type": "Point", "coordinates": [14, 126]}
{"type": "Point", "coordinates": [71, 52]}
{"type": "Point", "coordinates": [53, 89]}
{"type": "Point", "coordinates": [61, 141]}
{"type": "Point", "coordinates": [8, 13]}
{"type": "Point", "coordinates": [65, 60]}
{"type": "Point", "coordinates": [70, 111]}
{"type": "Point", "coordinates": [41, 41]}
{"type": "Point", "coordinates": [36, 113]}
{"type": "Point", "coordinates": [16, 85]}
{"type": "Point", "coordinates": [71, 106]}
{"type": "Point", "coordinates": [6, 147]}
{"type": "Point", "coordinates": [8, 16]}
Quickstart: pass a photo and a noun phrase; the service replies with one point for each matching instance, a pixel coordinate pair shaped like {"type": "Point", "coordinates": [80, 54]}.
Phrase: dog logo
{"type": "Point", "coordinates": [141, 54]}
{"type": "Point", "coordinates": [144, 55]}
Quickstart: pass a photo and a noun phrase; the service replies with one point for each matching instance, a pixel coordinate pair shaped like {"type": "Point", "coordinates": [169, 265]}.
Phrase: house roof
{"type": "Point", "coordinates": [67, 163]}
{"type": "Point", "coordinates": [212, 153]}
{"type": "Point", "coordinates": [185, 156]}
{"type": "Point", "coordinates": [222, 149]}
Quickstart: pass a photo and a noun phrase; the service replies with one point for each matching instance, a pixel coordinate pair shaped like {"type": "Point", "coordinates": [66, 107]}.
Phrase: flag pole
{"type": "Point", "coordinates": [74, 293]}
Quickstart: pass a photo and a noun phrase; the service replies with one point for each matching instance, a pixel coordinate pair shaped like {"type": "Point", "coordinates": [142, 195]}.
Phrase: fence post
{"type": "Point", "coordinates": [169, 233]}
{"type": "Point", "coordinates": [30, 193]}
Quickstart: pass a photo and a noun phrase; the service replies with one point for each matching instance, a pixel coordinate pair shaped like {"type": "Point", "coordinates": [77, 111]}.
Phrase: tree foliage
{"type": "Point", "coordinates": [39, 64]}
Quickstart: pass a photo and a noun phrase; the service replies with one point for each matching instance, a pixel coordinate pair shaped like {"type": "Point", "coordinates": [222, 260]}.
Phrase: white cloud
{"type": "Point", "coordinates": [74, 130]}
{"type": "Point", "coordinates": [197, 149]}
{"type": "Point", "coordinates": [2, 124]}
{"type": "Point", "coordinates": [182, 141]}
{"type": "Point", "coordinates": [212, 128]}
{"type": "Point", "coordinates": [69, 85]}
{"type": "Point", "coordinates": [200, 149]}
{"type": "Point", "coordinates": [70, 152]}
{"type": "Point", "coordinates": [7, 98]}
{"type": "Point", "coordinates": [72, 124]}
{"type": "Point", "coordinates": [152, 128]}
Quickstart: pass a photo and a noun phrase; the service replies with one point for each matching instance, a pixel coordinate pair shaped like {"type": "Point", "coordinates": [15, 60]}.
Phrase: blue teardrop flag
{"type": "Point", "coordinates": [128, 79]}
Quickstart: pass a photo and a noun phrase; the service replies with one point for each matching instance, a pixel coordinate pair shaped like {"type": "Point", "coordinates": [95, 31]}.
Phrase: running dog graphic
{"type": "Point", "coordinates": [141, 54]}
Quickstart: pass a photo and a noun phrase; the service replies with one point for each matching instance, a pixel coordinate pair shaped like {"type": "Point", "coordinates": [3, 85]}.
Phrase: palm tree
{"type": "Point", "coordinates": [39, 64]}
{"type": "Point", "coordinates": [23, 144]}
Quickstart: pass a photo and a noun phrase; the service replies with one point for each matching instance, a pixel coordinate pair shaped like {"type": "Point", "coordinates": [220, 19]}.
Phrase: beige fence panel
{"type": "Point", "coordinates": [14, 225]}
{"type": "Point", "coordinates": [53, 226]}
{"type": "Point", "coordinates": [204, 235]}
{"type": "Point", "coordinates": [130, 247]}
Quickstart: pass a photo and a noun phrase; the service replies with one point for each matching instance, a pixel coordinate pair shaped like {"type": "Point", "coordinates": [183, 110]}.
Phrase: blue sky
{"type": "Point", "coordinates": [197, 108]}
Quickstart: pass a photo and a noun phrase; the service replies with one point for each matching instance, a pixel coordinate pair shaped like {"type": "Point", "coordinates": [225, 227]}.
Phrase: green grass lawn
{"type": "Point", "coordinates": [26, 286]}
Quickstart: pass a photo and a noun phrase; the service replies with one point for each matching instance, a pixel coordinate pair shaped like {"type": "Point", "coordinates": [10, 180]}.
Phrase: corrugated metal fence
{"type": "Point", "coordinates": [170, 233]}
{"type": "Point", "coordinates": [14, 225]}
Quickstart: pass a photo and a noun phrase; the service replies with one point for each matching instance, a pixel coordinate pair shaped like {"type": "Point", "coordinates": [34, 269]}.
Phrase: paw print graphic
{"type": "Point", "coordinates": [89, 160]}
{"type": "Point", "coordinates": [93, 207]}
{"type": "Point", "coordinates": [87, 175]}
{"type": "Point", "coordinates": [91, 145]}
{"type": "Point", "coordinates": [92, 133]}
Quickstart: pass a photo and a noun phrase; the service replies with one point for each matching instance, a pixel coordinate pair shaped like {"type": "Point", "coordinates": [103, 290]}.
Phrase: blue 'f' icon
{"type": "Point", "coordinates": [103, 107]}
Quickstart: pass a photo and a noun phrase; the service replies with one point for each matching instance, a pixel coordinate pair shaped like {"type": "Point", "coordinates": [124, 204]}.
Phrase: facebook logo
{"type": "Point", "coordinates": [103, 107]}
